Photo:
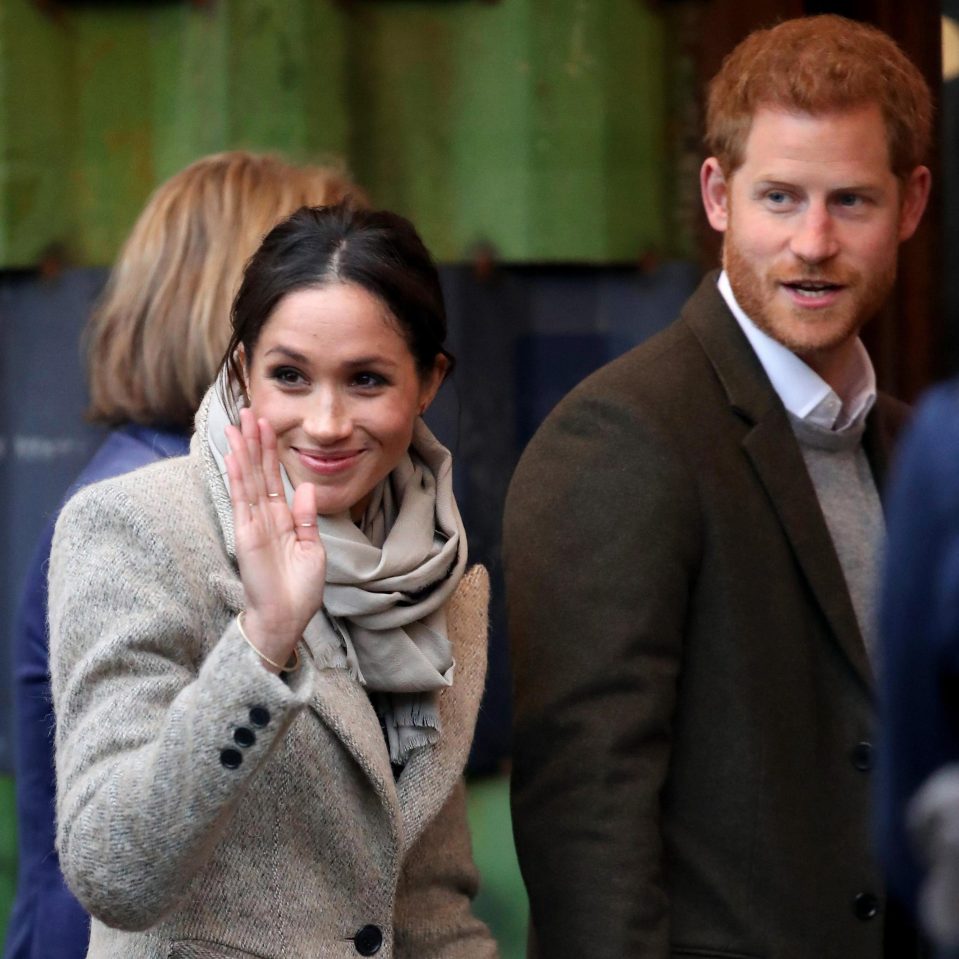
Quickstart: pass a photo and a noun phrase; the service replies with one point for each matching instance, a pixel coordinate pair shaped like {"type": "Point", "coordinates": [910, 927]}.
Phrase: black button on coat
{"type": "Point", "coordinates": [368, 940]}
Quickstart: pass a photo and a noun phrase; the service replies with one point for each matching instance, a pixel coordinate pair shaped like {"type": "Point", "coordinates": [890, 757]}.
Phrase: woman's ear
{"type": "Point", "coordinates": [432, 382]}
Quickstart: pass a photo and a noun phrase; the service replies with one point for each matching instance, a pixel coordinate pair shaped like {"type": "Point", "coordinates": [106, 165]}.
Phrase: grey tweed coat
{"type": "Point", "coordinates": [208, 809]}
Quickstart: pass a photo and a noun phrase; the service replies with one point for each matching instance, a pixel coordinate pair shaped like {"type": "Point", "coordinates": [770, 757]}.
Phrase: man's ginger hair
{"type": "Point", "coordinates": [817, 65]}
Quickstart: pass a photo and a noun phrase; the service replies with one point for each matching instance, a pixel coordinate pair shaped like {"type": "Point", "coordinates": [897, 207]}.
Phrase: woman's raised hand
{"type": "Point", "coordinates": [282, 561]}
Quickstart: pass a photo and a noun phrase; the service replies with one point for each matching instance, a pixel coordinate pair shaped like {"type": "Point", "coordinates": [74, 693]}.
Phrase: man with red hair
{"type": "Point", "coordinates": [691, 545]}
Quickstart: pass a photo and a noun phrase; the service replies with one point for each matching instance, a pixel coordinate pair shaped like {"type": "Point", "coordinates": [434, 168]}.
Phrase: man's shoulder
{"type": "Point", "coordinates": [670, 378]}
{"type": "Point", "coordinates": [669, 362]}
{"type": "Point", "coordinates": [661, 365]}
{"type": "Point", "coordinates": [668, 392]}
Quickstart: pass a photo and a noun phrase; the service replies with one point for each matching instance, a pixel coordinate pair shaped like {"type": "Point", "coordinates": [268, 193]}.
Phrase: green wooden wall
{"type": "Point", "coordinates": [535, 127]}
{"type": "Point", "coordinates": [8, 851]}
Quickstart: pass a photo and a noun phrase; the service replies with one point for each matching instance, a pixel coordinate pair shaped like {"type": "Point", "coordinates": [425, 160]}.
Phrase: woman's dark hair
{"type": "Point", "coordinates": [374, 249]}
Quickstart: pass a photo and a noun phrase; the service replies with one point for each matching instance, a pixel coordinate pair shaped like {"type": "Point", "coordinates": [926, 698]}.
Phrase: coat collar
{"type": "Point", "coordinates": [774, 453]}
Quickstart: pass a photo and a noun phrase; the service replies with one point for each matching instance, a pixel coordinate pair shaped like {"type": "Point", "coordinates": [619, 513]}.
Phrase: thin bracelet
{"type": "Point", "coordinates": [266, 659]}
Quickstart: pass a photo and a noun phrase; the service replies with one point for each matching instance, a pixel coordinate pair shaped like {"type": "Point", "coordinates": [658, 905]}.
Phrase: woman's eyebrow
{"type": "Point", "coordinates": [372, 360]}
{"type": "Point", "coordinates": [294, 355]}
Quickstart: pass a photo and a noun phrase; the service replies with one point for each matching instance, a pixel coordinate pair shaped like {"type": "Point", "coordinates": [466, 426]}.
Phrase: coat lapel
{"type": "Point", "coordinates": [783, 473]}
{"type": "Point", "coordinates": [774, 453]}
{"type": "Point", "coordinates": [428, 777]}
{"type": "Point", "coordinates": [343, 706]}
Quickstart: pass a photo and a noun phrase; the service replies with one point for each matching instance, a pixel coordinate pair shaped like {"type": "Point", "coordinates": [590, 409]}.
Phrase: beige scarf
{"type": "Point", "coordinates": [387, 582]}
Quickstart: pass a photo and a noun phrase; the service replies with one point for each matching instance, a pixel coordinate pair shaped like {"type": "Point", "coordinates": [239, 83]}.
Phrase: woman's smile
{"type": "Point", "coordinates": [328, 462]}
{"type": "Point", "coordinates": [335, 378]}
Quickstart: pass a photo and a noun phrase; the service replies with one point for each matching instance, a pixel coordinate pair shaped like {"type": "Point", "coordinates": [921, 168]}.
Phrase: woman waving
{"type": "Point", "coordinates": [267, 656]}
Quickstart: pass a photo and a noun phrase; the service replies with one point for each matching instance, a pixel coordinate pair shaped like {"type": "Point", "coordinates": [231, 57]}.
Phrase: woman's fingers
{"type": "Point", "coordinates": [253, 445]}
{"type": "Point", "coordinates": [271, 463]}
{"type": "Point", "coordinates": [280, 555]}
{"type": "Point", "coordinates": [304, 513]}
{"type": "Point", "coordinates": [278, 549]}
{"type": "Point", "coordinates": [256, 485]}
{"type": "Point", "coordinates": [237, 467]}
{"type": "Point", "coordinates": [250, 429]}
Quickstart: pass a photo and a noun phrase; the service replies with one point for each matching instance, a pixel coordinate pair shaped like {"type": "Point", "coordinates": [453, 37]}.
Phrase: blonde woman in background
{"type": "Point", "coordinates": [154, 343]}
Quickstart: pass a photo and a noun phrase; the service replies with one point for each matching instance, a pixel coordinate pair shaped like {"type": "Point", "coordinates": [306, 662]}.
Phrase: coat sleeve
{"type": "Point", "coordinates": [150, 688]}
{"type": "Point", "coordinates": [601, 544]}
{"type": "Point", "coordinates": [439, 881]}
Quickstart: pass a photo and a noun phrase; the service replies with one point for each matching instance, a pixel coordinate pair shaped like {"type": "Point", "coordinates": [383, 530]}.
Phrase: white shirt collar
{"type": "Point", "coordinates": [803, 391]}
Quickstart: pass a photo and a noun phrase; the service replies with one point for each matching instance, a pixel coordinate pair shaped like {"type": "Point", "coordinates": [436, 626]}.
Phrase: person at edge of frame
{"type": "Point", "coordinates": [917, 786]}
{"type": "Point", "coordinates": [691, 541]}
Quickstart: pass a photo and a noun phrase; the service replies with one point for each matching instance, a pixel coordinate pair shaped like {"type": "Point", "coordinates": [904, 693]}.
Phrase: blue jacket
{"type": "Point", "coordinates": [46, 921]}
{"type": "Point", "coordinates": [919, 620]}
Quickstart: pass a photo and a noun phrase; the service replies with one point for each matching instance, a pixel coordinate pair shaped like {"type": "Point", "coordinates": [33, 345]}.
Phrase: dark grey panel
{"type": "Point", "coordinates": [524, 336]}
{"type": "Point", "coordinates": [43, 439]}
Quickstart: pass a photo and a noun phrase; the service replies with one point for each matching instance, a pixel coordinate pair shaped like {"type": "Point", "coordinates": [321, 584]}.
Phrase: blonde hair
{"type": "Point", "coordinates": [157, 335]}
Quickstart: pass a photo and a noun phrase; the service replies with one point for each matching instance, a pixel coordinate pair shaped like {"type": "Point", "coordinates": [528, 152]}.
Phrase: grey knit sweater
{"type": "Point", "coordinates": [850, 503]}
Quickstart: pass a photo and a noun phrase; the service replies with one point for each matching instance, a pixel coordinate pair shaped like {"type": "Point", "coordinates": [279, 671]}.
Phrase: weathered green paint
{"type": "Point", "coordinates": [191, 98]}
{"type": "Point", "coordinates": [113, 92]}
{"type": "Point", "coordinates": [598, 130]}
{"type": "Point", "coordinates": [535, 127]}
{"type": "Point", "coordinates": [8, 851]}
{"type": "Point", "coordinates": [286, 68]}
{"type": "Point", "coordinates": [502, 902]}
{"type": "Point", "coordinates": [36, 134]}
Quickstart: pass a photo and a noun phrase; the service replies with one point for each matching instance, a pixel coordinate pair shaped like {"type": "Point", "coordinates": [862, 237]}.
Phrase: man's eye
{"type": "Point", "coordinates": [777, 197]}
{"type": "Point", "coordinates": [850, 199]}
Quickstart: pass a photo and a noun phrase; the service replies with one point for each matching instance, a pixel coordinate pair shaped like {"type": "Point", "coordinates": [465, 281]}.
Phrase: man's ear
{"type": "Point", "coordinates": [915, 196]}
{"type": "Point", "coordinates": [715, 193]}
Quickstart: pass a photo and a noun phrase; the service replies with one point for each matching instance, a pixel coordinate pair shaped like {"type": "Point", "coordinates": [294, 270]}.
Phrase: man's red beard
{"type": "Point", "coordinates": [805, 332]}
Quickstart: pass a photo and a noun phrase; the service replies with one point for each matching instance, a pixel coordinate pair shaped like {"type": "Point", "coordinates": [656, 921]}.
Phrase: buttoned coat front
{"type": "Point", "coordinates": [208, 809]}
{"type": "Point", "coordinates": [694, 703]}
